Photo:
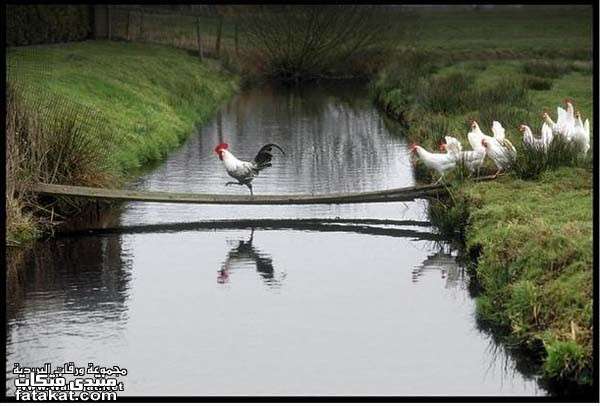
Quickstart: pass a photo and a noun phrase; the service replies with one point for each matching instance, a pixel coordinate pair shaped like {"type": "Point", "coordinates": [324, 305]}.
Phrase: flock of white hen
{"type": "Point", "coordinates": [499, 149]}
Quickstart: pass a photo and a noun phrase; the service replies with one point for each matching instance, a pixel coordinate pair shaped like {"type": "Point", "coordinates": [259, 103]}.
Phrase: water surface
{"type": "Point", "coordinates": [272, 308]}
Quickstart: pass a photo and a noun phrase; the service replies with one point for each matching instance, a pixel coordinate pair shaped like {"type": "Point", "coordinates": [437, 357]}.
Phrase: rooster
{"type": "Point", "coordinates": [245, 171]}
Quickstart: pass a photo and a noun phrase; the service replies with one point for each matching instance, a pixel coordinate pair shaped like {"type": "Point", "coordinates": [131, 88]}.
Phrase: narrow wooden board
{"type": "Point", "coordinates": [390, 195]}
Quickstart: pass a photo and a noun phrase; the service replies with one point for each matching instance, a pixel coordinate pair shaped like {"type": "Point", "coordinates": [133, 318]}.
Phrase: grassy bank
{"type": "Point", "coordinates": [530, 232]}
{"type": "Point", "coordinates": [90, 113]}
{"type": "Point", "coordinates": [534, 246]}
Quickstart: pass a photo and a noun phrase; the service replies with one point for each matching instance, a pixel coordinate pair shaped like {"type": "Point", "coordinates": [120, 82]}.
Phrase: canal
{"type": "Point", "coordinates": [343, 306]}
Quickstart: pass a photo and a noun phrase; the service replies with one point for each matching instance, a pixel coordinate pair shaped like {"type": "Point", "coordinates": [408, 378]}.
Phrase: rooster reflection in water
{"type": "Point", "coordinates": [244, 254]}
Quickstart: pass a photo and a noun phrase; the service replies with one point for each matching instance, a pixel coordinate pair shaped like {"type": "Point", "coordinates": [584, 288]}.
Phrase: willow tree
{"type": "Point", "coordinates": [294, 42]}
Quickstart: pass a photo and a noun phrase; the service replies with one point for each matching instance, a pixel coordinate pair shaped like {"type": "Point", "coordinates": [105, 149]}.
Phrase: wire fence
{"type": "Point", "coordinates": [28, 83]}
{"type": "Point", "coordinates": [207, 34]}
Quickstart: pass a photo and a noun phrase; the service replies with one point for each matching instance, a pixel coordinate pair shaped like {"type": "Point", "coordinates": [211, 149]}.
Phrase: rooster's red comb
{"type": "Point", "coordinates": [221, 147]}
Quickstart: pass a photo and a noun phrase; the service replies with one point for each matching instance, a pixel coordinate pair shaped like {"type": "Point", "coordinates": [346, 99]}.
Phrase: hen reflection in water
{"type": "Point", "coordinates": [443, 262]}
{"type": "Point", "coordinates": [245, 255]}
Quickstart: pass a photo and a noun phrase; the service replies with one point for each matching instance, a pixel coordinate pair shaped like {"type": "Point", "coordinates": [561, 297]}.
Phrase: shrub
{"type": "Point", "coordinates": [293, 43]}
{"type": "Point", "coordinates": [508, 92]}
{"type": "Point", "coordinates": [546, 68]}
{"type": "Point", "coordinates": [537, 83]}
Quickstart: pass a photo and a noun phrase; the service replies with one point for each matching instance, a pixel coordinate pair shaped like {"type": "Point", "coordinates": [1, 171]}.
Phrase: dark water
{"type": "Point", "coordinates": [266, 308]}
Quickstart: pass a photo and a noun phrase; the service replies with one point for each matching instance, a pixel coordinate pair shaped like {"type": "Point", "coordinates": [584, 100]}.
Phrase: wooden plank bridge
{"type": "Point", "coordinates": [389, 195]}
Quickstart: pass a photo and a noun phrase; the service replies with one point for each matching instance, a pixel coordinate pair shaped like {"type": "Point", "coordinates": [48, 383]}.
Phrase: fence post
{"type": "Point", "coordinates": [109, 18]}
{"type": "Point", "coordinates": [220, 125]}
{"type": "Point", "coordinates": [100, 22]}
{"type": "Point", "coordinates": [219, 30]}
{"type": "Point", "coordinates": [198, 39]}
{"type": "Point", "coordinates": [128, 23]}
{"type": "Point", "coordinates": [142, 25]}
{"type": "Point", "coordinates": [235, 38]}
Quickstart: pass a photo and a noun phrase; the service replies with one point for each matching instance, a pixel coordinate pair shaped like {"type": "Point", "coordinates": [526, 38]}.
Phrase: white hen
{"type": "Point", "coordinates": [580, 134]}
{"type": "Point", "coordinates": [565, 120]}
{"type": "Point", "coordinates": [502, 157]}
{"type": "Point", "coordinates": [471, 159]}
{"type": "Point", "coordinates": [441, 163]}
{"type": "Point", "coordinates": [532, 141]}
{"type": "Point", "coordinates": [500, 136]}
{"type": "Point", "coordinates": [476, 135]}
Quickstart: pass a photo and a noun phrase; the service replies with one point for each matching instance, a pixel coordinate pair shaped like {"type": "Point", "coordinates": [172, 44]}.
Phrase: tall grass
{"type": "Point", "coordinates": [447, 94]}
{"type": "Point", "coordinates": [70, 148]}
{"type": "Point", "coordinates": [449, 215]}
{"type": "Point", "coordinates": [531, 162]}
{"type": "Point", "coordinates": [73, 147]}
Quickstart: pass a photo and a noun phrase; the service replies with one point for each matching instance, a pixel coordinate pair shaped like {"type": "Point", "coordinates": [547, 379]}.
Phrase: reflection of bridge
{"type": "Point", "coordinates": [390, 195]}
{"type": "Point", "coordinates": [360, 226]}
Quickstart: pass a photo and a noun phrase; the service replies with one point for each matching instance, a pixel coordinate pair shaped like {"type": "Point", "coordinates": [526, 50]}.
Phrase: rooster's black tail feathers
{"type": "Point", "coordinates": [263, 158]}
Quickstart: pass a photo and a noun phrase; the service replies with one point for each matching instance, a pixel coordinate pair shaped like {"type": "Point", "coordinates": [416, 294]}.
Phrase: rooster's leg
{"type": "Point", "coordinates": [250, 187]}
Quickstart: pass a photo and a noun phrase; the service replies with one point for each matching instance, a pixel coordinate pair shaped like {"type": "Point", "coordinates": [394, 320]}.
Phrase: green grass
{"type": "Point", "coordinates": [535, 240]}
{"type": "Point", "coordinates": [150, 96]}
{"type": "Point", "coordinates": [535, 30]}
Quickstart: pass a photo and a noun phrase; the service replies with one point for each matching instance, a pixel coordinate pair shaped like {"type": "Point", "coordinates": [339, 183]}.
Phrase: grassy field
{"type": "Point", "coordinates": [532, 238]}
{"type": "Point", "coordinates": [521, 32]}
{"type": "Point", "coordinates": [96, 111]}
